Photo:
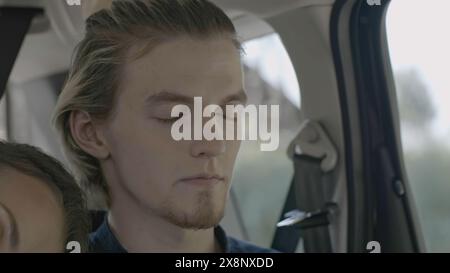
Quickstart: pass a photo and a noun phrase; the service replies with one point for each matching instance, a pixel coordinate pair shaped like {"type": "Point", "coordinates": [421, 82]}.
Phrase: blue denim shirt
{"type": "Point", "coordinates": [104, 241]}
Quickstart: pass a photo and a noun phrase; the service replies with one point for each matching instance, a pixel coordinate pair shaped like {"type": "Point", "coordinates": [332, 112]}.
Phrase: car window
{"type": "Point", "coordinates": [262, 178]}
{"type": "Point", "coordinates": [30, 105]}
{"type": "Point", "coordinates": [419, 42]}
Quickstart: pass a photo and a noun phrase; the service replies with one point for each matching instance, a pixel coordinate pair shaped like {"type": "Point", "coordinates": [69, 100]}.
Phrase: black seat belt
{"type": "Point", "coordinates": [307, 210]}
{"type": "Point", "coordinates": [14, 25]}
{"type": "Point", "coordinates": [286, 239]}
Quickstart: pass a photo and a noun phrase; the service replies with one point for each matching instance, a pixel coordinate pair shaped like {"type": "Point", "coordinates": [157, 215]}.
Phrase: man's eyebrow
{"type": "Point", "coordinates": [172, 97]}
{"type": "Point", "coordinates": [168, 97]}
{"type": "Point", "coordinates": [14, 236]}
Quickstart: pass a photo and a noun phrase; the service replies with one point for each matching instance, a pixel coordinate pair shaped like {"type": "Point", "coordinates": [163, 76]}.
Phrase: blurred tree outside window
{"type": "Point", "coordinates": [420, 58]}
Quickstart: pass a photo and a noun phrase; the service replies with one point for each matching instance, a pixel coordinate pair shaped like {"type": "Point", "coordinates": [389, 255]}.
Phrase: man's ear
{"type": "Point", "coordinates": [6, 230]}
{"type": "Point", "coordinates": [88, 135]}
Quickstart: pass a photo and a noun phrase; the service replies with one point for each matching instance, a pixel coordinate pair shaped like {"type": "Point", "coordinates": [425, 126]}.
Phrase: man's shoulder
{"type": "Point", "coordinates": [232, 245]}
{"type": "Point", "coordinates": [96, 242]}
{"type": "Point", "coordinates": [240, 246]}
{"type": "Point", "coordinates": [103, 241]}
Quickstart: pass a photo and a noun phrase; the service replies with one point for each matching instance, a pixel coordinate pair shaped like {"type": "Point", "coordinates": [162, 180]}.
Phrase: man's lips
{"type": "Point", "coordinates": [203, 179]}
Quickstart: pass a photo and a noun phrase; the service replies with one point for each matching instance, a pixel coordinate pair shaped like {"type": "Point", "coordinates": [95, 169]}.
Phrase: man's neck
{"type": "Point", "coordinates": [140, 231]}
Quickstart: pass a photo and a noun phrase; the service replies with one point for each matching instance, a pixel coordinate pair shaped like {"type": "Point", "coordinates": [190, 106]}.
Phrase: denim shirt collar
{"type": "Point", "coordinates": [104, 240]}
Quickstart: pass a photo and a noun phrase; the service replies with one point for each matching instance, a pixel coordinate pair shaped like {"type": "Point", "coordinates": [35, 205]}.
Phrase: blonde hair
{"type": "Point", "coordinates": [96, 68]}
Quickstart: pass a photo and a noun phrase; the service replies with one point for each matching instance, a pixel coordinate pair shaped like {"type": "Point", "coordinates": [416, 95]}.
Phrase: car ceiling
{"type": "Point", "coordinates": [48, 47]}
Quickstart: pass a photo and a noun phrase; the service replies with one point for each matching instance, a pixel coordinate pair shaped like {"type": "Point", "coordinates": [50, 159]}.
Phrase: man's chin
{"type": "Point", "coordinates": [197, 220]}
{"type": "Point", "coordinates": [206, 212]}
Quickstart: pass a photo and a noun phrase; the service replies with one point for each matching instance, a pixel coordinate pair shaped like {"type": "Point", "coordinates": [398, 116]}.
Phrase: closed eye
{"type": "Point", "coordinates": [169, 120]}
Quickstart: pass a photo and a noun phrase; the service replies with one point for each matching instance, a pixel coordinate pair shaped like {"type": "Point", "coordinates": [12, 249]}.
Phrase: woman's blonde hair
{"type": "Point", "coordinates": [96, 67]}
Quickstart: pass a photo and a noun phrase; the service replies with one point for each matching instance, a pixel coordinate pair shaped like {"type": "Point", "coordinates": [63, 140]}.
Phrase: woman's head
{"type": "Point", "coordinates": [41, 206]}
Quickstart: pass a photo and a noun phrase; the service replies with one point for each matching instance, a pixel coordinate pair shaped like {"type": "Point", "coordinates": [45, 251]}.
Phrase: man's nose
{"type": "Point", "coordinates": [207, 148]}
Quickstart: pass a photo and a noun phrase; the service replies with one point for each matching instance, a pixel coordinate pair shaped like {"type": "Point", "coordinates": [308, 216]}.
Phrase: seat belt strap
{"type": "Point", "coordinates": [306, 210]}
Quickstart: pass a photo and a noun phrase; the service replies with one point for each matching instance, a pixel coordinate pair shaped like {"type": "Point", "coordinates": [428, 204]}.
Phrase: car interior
{"type": "Point", "coordinates": [353, 173]}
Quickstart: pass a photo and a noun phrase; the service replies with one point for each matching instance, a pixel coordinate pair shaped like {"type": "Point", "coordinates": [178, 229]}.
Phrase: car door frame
{"type": "Point", "coordinates": [381, 206]}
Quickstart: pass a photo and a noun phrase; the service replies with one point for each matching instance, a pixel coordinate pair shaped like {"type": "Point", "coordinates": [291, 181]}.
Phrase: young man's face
{"type": "Point", "coordinates": [31, 216]}
{"type": "Point", "coordinates": [151, 167]}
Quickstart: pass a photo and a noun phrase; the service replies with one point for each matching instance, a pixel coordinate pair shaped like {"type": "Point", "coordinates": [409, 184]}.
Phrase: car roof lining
{"type": "Point", "coordinates": [55, 53]}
